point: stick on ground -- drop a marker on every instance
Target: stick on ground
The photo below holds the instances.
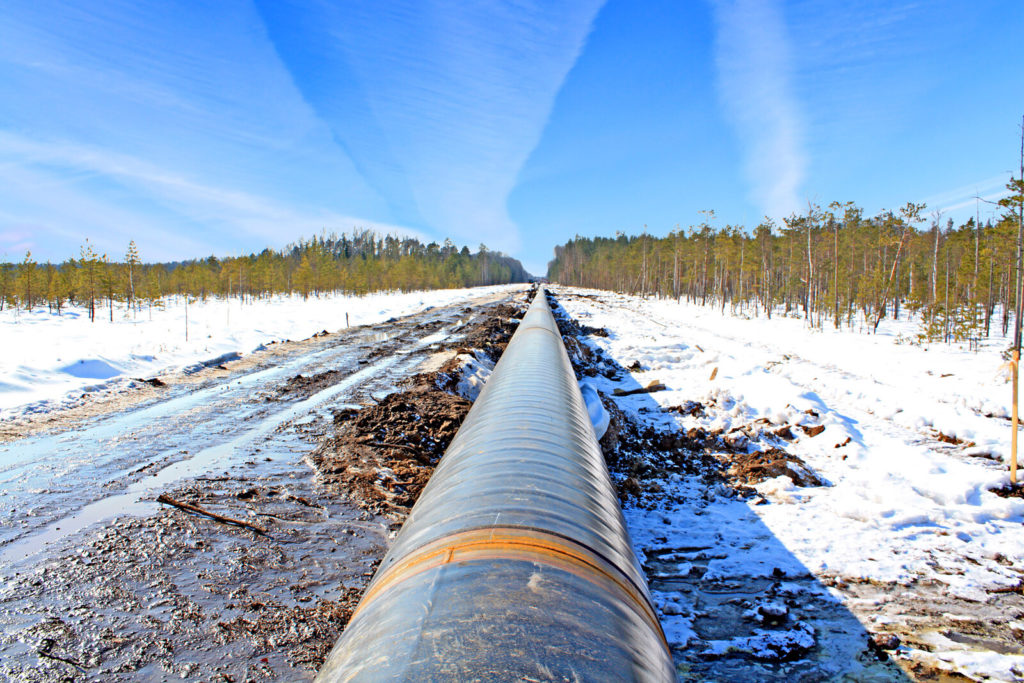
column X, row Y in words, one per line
column 653, row 386
column 167, row 500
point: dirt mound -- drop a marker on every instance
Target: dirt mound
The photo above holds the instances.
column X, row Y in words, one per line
column 383, row 456
column 492, row 334
column 639, row 456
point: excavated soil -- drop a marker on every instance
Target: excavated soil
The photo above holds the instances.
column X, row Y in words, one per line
column 382, row 455
column 302, row 386
column 492, row 334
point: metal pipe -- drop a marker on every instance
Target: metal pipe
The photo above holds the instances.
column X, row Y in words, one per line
column 515, row 562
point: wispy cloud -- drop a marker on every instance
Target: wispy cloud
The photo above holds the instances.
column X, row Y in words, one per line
column 439, row 103
column 172, row 122
column 244, row 122
column 987, row 190
column 753, row 58
column 169, row 215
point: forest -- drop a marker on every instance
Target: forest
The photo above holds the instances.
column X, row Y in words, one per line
column 356, row 263
column 830, row 265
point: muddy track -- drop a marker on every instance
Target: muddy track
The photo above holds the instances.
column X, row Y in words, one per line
column 91, row 594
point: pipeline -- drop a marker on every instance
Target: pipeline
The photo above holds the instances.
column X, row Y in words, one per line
column 515, row 562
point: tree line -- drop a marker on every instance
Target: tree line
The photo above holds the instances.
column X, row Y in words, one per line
column 352, row 263
column 831, row 265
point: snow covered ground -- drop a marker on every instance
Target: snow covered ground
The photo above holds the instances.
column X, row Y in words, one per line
column 906, row 533
column 49, row 360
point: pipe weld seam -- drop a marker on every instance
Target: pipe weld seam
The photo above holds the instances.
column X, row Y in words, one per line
column 515, row 543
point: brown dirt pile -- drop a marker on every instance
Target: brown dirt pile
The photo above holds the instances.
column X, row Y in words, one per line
column 382, row 456
column 492, row 334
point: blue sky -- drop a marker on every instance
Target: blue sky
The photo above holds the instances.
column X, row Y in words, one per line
column 197, row 128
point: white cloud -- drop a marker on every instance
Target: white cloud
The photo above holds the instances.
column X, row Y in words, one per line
column 752, row 54
column 42, row 178
column 988, row 190
column 443, row 101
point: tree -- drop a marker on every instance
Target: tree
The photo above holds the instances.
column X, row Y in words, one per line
column 131, row 259
column 27, row 276
column 88, row 276
column 108, row 280
column 1016, row 201
column 909, row 214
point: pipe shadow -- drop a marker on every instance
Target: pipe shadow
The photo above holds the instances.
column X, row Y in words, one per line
column 735, row 603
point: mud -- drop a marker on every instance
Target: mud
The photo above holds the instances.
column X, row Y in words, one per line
column 176, row 595
column 301, row 386
column 930, row 619
column 71, row 413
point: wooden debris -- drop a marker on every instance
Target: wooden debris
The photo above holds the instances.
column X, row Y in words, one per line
column 714, row 373
column 694, row 408
column 813, row 430
column 44, row 651
column 303, row 501
column 652, row 387
column 167, row 500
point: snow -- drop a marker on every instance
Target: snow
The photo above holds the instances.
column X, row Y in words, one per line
column 599, row 417
column 902, row 507
column 50, row 360
column 473, row 374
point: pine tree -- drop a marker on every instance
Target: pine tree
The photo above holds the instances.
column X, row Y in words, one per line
column 88, row 278
column 27, row 277
column 131, row 259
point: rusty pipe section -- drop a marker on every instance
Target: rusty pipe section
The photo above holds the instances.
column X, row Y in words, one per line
column 515, row 562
